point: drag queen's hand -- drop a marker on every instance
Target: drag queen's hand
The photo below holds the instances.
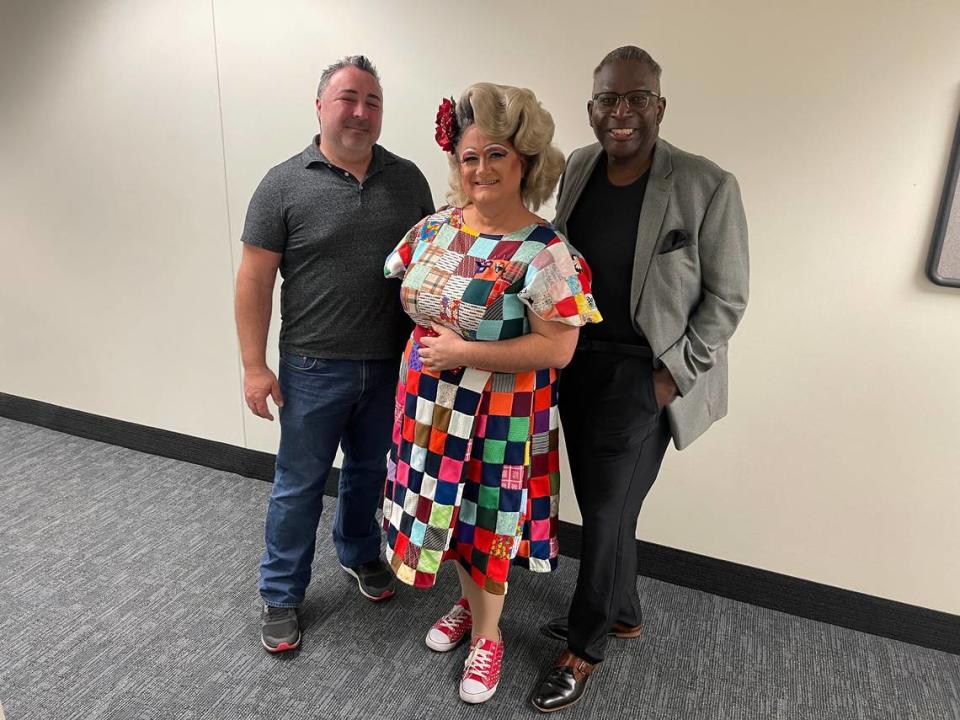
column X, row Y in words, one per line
column 442, row 352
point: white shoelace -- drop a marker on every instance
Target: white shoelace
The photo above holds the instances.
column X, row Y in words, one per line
column 478, row 661
column 454, row 618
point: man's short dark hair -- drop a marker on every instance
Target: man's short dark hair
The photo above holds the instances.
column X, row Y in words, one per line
column 629, row 52
column 362, row 62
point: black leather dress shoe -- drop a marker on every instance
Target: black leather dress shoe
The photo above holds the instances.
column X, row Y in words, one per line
column 563, row 685
column 559, row 628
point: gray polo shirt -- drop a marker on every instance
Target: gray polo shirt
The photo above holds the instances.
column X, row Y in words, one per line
column 335, row 234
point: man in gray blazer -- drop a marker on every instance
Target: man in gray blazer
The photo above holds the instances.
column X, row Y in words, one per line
column 665, row 236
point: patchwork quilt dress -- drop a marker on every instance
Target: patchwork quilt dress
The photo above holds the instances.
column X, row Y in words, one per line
column 474, row 469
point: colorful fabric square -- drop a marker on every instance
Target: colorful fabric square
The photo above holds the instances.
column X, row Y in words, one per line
column 474, row 470
column 557, row 286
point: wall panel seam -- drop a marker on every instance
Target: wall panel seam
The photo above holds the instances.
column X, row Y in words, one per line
column 226, row 207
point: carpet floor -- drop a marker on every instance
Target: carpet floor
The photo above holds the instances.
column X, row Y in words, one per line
column 128, row 592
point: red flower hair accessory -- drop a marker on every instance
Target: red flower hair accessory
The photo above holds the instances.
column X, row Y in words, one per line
column 447, row 130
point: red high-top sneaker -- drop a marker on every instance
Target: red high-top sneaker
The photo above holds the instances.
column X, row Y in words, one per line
column 481, row 671
column 450, row 630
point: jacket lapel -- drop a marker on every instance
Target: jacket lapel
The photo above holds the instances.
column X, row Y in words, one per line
column 651, row 218
column 574, row 183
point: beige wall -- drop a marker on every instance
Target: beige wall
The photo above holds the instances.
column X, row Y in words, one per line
column 115, row 284
column 137, row 132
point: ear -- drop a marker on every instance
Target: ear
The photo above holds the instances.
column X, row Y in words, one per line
column 590, row 112
column 524, row 167
column 661, row 109
column 318, row 110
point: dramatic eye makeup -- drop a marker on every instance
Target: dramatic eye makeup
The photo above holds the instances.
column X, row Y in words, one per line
column 493, row 152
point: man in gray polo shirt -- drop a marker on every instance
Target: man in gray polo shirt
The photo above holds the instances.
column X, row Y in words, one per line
column 327, row 218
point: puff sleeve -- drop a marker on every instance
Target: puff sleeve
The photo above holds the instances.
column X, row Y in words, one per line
column 410, row 247
column 557, row 286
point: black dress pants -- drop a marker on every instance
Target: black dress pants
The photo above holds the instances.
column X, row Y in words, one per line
column 616, row 437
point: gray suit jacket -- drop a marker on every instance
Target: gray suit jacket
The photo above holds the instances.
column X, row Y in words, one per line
column 690, row 274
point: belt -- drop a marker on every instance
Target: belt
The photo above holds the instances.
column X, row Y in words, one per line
column 603, row 346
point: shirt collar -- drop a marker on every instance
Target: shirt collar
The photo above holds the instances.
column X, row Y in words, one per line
column 381, row 157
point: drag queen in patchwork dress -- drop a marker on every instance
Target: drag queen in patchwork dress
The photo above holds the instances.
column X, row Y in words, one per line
column 474, row 471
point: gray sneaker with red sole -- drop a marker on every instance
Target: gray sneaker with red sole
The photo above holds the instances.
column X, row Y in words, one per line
column 375, row 579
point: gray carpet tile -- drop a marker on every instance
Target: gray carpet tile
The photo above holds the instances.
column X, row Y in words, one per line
column 128, row 591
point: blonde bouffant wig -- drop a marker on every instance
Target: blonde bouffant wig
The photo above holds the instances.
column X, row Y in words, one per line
column 512, row 114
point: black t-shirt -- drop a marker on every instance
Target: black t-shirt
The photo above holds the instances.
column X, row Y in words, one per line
column 603, row 227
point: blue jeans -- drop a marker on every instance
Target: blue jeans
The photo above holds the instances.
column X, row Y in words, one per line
column 326, row 403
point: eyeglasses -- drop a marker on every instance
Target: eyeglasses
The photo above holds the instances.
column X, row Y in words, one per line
column 637, row 100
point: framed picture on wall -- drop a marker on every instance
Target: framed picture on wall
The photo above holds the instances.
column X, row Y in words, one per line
column 943, row 266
